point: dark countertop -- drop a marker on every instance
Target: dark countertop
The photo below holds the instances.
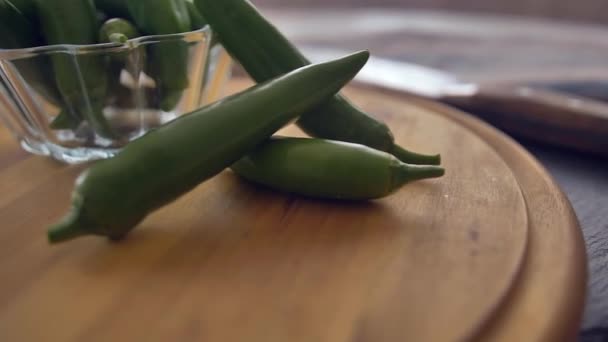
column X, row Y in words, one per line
column 585, row 182
column 447, row 41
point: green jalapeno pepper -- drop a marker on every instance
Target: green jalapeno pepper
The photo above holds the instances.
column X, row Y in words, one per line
column 328, row 169
column 114, row 30
column 119, row 30
column 81, row 79
column 115, row 194
column 265, row 53
column 167, row 59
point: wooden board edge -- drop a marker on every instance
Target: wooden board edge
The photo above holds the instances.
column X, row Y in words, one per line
column 566, row 319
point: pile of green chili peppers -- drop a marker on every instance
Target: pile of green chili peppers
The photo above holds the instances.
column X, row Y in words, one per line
column 33, row 23
column 350, row 156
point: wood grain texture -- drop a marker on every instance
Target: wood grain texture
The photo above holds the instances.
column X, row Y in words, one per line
column 231, row 261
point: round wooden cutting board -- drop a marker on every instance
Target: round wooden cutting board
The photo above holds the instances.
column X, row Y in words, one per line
column 491, row 251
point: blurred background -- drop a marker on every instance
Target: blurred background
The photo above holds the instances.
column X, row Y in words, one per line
column 580, row 10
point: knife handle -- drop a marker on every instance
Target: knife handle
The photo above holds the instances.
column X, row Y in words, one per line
column 542, row 115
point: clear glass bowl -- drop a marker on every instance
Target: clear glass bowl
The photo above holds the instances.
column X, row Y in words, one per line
column 78, row 103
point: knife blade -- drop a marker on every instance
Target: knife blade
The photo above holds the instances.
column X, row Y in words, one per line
column 541, row 114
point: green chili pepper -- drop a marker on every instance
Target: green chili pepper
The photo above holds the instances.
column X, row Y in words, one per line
column 18, row 29
column 114, row 30
column 168, row 60
column 265, row 53
column 81, row 79
column 329, row 169
column 198, row 21
column 117, row 30
column 115, row 194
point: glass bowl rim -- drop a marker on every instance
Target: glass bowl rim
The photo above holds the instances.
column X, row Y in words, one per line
column 10, row 54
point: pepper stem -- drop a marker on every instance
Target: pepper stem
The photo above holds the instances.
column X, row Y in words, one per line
column 69, row 228
column 119, row 38
column 414, row 158
column 404, row 173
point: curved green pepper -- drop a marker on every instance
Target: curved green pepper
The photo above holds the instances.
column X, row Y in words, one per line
column 265, row 53
column 115, row 194
column 167, row 60
column 329, row 169
column 81, row 79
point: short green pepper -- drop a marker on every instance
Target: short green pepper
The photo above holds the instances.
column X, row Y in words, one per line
column 81, row 79
column 329, row 169
column 132, row 61
column 114, row 30
column 168, row 59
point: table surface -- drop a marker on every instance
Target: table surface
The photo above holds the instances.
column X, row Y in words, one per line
column 584, row 179
column 416, row 36
column 283, row 257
